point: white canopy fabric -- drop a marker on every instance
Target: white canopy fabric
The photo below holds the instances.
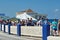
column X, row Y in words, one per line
column 25, row 16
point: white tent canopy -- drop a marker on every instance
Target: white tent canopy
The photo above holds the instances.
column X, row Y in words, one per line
column 25, row 16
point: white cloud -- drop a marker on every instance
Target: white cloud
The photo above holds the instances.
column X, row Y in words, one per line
column 56, row 10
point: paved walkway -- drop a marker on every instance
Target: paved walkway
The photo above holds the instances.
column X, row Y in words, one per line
column 5, row 36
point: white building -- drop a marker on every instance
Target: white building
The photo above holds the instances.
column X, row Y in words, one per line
column 29, row 14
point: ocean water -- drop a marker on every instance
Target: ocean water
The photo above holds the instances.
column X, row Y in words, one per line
column 50, row 20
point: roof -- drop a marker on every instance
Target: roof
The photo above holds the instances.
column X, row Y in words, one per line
column 42, row 14
column 28, row 11
column 25, row 16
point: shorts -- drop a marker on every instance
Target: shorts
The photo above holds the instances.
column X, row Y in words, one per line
column 54, row 28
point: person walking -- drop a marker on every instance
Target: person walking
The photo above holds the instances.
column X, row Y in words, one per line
column 54, row 27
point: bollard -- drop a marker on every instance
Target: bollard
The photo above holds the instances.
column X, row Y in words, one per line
column 46, row 31
column 4, row 28
column 1, row 27
column 9, row 28
column 18, row 29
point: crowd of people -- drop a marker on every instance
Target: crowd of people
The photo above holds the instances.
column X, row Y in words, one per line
column 29, row 22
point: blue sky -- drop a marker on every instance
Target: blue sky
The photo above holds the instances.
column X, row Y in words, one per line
column 49, row 7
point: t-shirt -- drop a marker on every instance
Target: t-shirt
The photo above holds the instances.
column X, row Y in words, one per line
column 54, row 25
